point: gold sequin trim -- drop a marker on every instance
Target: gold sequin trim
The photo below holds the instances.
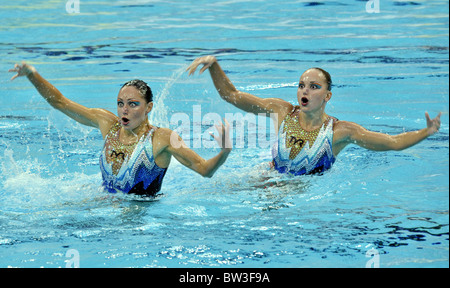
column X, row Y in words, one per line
column 115, row 151
column 297, row 137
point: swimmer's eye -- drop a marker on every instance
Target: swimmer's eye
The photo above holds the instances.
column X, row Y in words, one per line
column 131, row 104
column 312, row 86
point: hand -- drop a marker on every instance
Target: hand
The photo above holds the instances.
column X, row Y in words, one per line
column 22, row 70
column 224, row 136
column 433, row 125
column 207, row 61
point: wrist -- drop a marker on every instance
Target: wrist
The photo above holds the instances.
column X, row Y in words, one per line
column 226, row 150
column 430, row 131
column 30, row 71
column 213, row 59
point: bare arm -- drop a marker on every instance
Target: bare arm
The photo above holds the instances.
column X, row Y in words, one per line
column 229, row 93
column 98, row 118
column 348, row 132
column 176, row 147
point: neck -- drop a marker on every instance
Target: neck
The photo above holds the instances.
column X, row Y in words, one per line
column 312, row 120
column 136, row 133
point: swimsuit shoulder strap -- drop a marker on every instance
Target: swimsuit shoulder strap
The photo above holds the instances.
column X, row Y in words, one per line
column 334, row 119
column 294, row 110
column 151, row 132
column 148, row 139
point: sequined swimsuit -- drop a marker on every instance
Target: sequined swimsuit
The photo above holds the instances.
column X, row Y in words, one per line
column 130, row 168
column 299, row 152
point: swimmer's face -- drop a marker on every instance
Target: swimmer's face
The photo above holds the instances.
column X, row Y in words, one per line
column 132, row 108
column 313, row 90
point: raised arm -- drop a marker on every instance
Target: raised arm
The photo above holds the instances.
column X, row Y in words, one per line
column 244, row 101
column 98, row 118
column 175, row 146
column 352, row 133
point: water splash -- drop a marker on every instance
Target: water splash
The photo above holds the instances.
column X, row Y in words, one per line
column 9, row 165
column 159, row 115
column 268, row 86
column 24, row 189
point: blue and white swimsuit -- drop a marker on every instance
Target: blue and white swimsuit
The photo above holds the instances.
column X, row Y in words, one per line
column 130, row 169
column 299, row 152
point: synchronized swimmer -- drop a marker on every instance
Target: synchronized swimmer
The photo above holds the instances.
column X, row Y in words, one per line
column 308, row 139
column 136, row 154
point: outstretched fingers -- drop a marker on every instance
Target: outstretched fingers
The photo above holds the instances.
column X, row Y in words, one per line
column 433, row 124
column 21, row 70
column 224, row 135
column 192, row 68
column 206, row 61
column 16, row 69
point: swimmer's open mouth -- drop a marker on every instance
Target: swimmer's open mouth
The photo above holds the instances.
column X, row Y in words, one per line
column 304, row 101
column 125, row 121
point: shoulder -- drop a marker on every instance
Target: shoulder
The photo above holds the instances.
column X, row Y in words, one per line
column 106, row 119
column 160, row 138
column 345, row 125
column 162, row 133
column 345, row 130
column 281, row 106
column 166, row 138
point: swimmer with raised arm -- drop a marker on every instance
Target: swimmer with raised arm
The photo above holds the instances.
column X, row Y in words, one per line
column 136, row 154
column 308, row 139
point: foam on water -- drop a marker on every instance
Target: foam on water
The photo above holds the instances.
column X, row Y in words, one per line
column 24, row 189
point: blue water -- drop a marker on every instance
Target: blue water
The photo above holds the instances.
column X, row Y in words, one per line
column 388, row 67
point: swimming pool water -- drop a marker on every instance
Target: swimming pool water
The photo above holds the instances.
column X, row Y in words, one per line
column 388, row 67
